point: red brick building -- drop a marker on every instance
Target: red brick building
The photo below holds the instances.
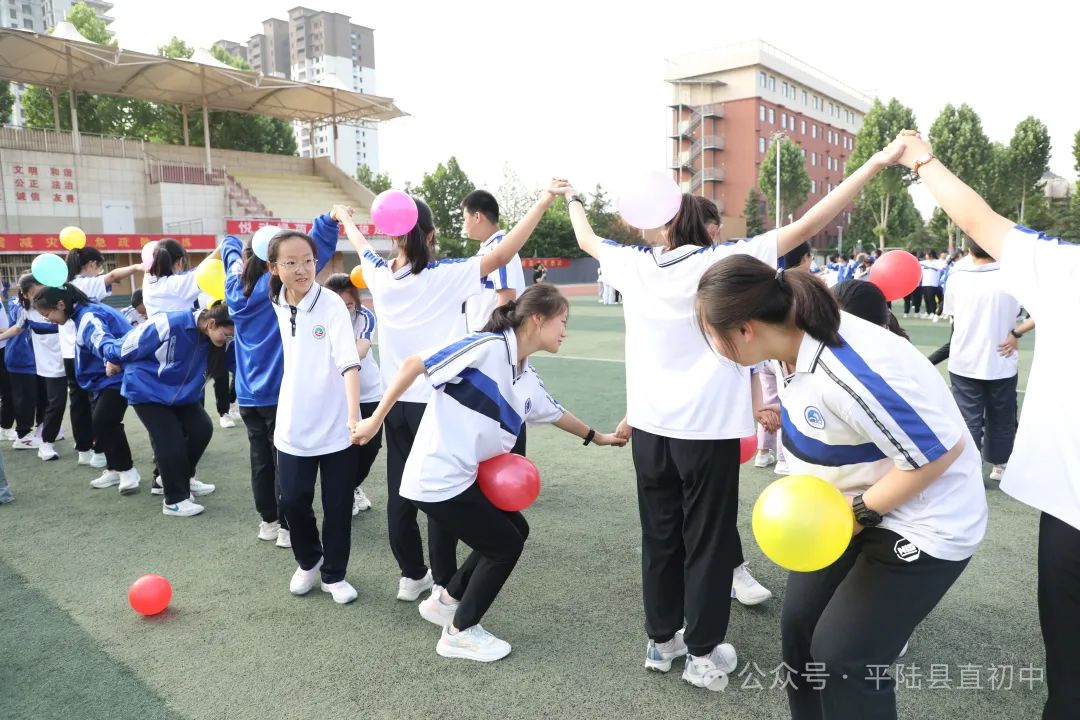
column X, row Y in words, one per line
column 728, row 105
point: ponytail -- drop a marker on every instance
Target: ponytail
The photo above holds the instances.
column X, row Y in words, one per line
column 215, row 356
column 254, row 269
column 166, row 255
column 49, row 298
column 79, row 258
column 865, row 300
column 741, row 288
column 26, row 282
column 544, row 300
column 688, row 225
column 415, row 242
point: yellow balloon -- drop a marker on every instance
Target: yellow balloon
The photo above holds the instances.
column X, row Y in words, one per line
column 210, row 276
column 72, row 238
column 802, row 523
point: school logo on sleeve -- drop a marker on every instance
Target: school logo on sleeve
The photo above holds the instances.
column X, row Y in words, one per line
column 318, row 332
column 906, row 550
column 814, row 418
column 528, row 405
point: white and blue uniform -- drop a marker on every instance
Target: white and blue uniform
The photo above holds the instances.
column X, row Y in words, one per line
column 478, row 308
column 371, row 383
column 95, row 324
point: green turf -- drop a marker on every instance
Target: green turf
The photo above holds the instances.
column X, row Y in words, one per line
column 236, row 644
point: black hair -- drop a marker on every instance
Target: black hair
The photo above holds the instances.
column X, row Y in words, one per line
column 254, row 269
column 136, row 298
column 216, row 357
column 167, row 253
column 710, row 213
column 741, row 288
column 272, row 253
column 415, row 242
column 341, row 282
column 483, row 202
column 975, row 249
column 865, row 300
column 78, row 259
column 26, row 282
column 794, row 257
column 49, row 298
column 544, row 300
column 688, row 225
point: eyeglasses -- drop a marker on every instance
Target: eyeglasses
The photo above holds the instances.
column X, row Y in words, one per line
column 294, row 265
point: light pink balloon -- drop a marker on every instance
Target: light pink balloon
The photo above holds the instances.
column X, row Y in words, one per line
column 148, row 254
column 394, row 213
column 649, row 200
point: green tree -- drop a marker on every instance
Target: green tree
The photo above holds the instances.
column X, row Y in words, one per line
column 959, row 142
column 7, row 102
column 794, row 180
column 903, row 219
column 513, row 196
column 443, row 190
column 880, row 126
column 606, row 222
column 999, row 185
column 1029, row 155
column 752, row 211
column 376, row 183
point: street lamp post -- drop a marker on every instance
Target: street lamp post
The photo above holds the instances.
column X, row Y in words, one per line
column 777, row 138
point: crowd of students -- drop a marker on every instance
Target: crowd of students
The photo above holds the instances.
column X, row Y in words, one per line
column 721, row 337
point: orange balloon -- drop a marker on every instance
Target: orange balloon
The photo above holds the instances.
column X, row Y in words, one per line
column 357, row 277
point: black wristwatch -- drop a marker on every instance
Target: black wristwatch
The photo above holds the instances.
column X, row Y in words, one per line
column 1015, row 334
column 864, row 515
column 575, row 198
column 589, row 437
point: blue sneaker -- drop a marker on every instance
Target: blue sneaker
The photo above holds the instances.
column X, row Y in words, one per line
column 658, row 656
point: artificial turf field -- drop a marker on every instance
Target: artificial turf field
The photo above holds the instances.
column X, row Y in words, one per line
column 235, row 644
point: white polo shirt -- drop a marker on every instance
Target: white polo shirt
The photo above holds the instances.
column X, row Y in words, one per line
column 318, row 345
column 676, row 386
column 482, row 396
column 931, row 272
column 1044, row 470
column 95, row 288
column 170, row 293
column 371, row 384
column 983, row 314
column 48, row 361
column 478, row 308
column 417, row 311
column 853, row 412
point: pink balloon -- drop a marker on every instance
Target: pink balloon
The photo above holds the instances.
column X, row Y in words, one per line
column 393, row 212
column 148, row 254
column 650, row 200
column 747, row 448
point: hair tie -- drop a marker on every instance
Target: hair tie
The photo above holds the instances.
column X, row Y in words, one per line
column 780, row 275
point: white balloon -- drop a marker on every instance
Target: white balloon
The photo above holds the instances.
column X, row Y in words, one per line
column 649, row 200
column 260, row 241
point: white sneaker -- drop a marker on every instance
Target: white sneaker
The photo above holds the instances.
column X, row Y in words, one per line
column 658, row 656
column 86, row 457
column 905, row 316
column 234, row 412
column 935, row 318
column 473, row 643
column 781, row 468
column 746, row 589
column 765, row 460
column 997, row 472
column 360, row 502
column 342, row 592
column 409, row 590
column 435, row 611
column 47, row 452
column 303, row 580
column 9, row 434
column 30, row 442
column 129, row 482
column 711, row 671
column 184, row 508
column 227, row 421
column 198, row 489
column 156, row 488
column 284, row 538
column 269, row 530
column 97, row 460
column 107, row 480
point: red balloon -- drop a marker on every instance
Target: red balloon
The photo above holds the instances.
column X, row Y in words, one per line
column 897, row 273
column 150, row 594
column 511, row 482
column 747, row 448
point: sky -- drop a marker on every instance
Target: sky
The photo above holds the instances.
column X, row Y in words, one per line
column 577, row 90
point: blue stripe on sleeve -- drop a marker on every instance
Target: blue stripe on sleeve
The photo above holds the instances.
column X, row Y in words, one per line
column 898, row 409
column 480, row 393
column 374, row 259
column 454, row 348
column 502, row 278
column 814, row 451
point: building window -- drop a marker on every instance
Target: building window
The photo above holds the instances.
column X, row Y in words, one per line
column 772, row 83
column 813, row 131
column 804, row 100
column 784, row 89
column 761, row 113
column 761, row 145
column 813, row 159
column 802, row 126
column 813, row 186
column 783, row 120
column 763, row 80
column 772, row 116
column 803, row 152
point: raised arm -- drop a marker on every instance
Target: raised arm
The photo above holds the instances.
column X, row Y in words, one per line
column 966, row 207
column 505, row 251
column 825, row 210
column 325, row 232
column 122, row 273
column 587, row 240
column 356, row 238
